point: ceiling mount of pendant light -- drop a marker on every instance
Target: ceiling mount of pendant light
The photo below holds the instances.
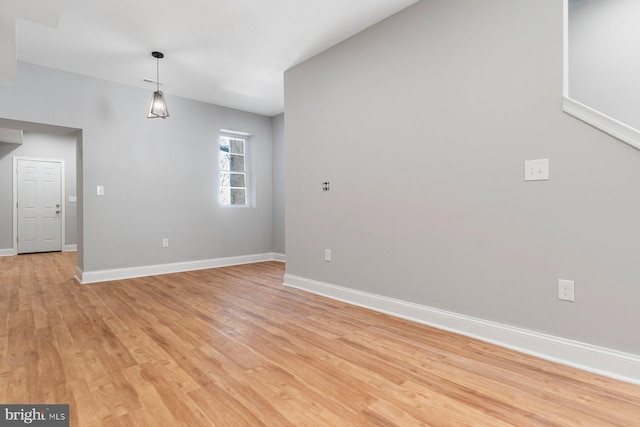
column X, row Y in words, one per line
column 158, row 107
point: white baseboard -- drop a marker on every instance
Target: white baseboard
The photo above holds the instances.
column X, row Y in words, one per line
column 86, row 277
column 7, row 252
column 599, row 360
column 279, row 257
column 78, row 275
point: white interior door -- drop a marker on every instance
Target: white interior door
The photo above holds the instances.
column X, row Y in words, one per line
column 39, row 206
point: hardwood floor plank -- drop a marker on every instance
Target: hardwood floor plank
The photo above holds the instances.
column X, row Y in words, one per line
column 237, row 383
column 153, row 409
column 487, row 380
column 87, row 409
column 434, row 410
column 299, row 403
column 222, row 409
column 233, row 347
column 13, row 383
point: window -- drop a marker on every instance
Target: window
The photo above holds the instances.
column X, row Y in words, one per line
column 233, row 173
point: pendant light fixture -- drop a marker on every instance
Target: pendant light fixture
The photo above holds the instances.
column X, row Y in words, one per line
column 158, row 107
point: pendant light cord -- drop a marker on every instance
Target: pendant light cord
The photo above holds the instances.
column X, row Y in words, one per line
column 157, row 74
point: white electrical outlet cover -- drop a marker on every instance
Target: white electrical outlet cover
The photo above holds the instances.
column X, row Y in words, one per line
column 566, row 290
column 536, row 170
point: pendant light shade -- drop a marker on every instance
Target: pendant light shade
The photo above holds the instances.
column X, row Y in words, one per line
column 158, row 107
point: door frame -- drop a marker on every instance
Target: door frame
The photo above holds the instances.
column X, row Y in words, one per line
column 15, row 198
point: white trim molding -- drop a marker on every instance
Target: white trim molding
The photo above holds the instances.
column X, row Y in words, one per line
column 78, row 275
column 235, row 132
column 601, row 121
column 279, row 257
column 595, row 118
column 67, row 248
column 599, row 360
column 7, row 252
column 86, row 277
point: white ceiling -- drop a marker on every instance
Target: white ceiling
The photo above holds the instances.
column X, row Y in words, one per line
column 226, row 52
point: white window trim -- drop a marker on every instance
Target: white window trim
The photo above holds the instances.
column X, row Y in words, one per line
column 226, row 133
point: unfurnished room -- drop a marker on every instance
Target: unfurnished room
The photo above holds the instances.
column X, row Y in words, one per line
column 319, row 213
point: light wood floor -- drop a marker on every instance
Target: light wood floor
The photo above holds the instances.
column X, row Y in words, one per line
column 232, row 346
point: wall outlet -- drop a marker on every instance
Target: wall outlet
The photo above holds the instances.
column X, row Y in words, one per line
column 165, row 243
column 327, row 255
column 536, row 170
column 566, row 290
column 100, row 190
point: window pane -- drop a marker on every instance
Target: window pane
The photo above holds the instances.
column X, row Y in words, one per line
column 238, row 196
column 237, row 180
column 225, row 196
column 225, row 161
column 237, row 146
column 236, row 163
column 224, row 144
column 224, row 180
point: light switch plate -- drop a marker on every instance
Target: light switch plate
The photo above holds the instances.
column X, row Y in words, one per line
column 536, row 170
column 100, row 190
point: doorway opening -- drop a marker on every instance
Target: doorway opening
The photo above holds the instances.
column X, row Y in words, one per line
column 40, row 186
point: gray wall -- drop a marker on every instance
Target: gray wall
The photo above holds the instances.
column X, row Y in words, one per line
column 278, row 184
column 41, row 145
column 422, row 124
column 160, row 176
column 603, row 65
